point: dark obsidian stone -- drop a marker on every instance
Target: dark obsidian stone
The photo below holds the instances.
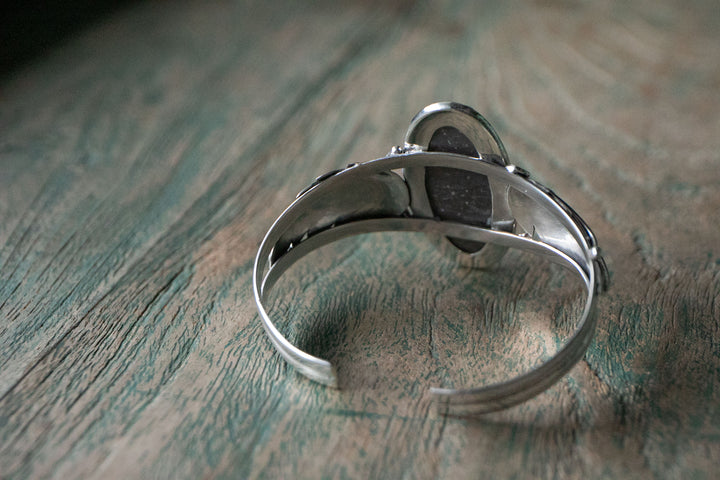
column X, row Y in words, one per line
column 458, row 195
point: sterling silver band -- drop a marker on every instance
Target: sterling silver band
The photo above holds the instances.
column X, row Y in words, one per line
column 374, row 197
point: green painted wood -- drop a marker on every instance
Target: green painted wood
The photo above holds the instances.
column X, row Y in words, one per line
column 142, row 161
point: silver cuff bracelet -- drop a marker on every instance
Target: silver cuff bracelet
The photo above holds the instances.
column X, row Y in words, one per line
column 451, row 177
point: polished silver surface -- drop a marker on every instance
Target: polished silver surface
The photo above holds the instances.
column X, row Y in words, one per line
column 372, row 197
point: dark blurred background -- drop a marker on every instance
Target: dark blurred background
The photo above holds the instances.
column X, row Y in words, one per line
column 29, row 28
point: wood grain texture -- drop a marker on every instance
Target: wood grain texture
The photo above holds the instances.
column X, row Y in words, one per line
column 142, row 161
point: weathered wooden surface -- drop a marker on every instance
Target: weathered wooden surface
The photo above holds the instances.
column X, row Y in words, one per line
column 142, row 161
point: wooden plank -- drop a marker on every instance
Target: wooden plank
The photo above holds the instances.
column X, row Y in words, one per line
column 141, row 163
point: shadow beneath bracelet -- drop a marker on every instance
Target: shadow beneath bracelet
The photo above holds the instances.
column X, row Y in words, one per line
column 395, row 318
